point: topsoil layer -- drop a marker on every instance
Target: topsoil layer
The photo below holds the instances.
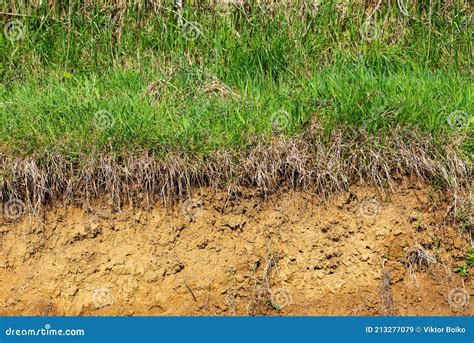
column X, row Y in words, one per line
column 220, row 254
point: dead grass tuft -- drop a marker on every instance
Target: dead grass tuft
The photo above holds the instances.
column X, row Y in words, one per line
column 418, row 258
column 304, row 162
column 218, row 88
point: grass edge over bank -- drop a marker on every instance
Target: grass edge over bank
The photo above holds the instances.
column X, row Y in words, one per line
column 303, row 162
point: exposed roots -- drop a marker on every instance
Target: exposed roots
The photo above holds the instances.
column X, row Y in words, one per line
column 304, row 162
column 388, row 307
column 418, row 258
column 261, row 301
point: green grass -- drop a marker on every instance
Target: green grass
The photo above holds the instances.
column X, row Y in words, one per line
column 313, row 66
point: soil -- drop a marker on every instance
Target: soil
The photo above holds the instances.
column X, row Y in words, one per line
column 238, row 254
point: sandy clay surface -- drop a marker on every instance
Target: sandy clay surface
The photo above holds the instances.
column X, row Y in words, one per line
column 238, row 254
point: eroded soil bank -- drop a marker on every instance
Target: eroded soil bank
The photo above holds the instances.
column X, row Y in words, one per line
column 216, row 254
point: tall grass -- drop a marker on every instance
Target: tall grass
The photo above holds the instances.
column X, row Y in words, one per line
column 251, row 38
column 153, row 66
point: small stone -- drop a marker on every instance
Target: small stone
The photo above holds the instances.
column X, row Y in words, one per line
column 397, row 232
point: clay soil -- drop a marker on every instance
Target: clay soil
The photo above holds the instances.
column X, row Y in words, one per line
column 236, row 254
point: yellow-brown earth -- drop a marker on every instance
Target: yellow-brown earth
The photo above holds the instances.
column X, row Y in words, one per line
column 237, row 254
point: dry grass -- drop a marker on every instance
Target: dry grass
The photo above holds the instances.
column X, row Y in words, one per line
column 303, row 162
column 260, row 303
column 269, row 5
column 218, row 88
column 418, row 258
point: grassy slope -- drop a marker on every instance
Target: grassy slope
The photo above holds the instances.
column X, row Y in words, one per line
column 159, row 91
